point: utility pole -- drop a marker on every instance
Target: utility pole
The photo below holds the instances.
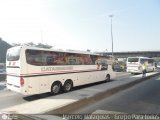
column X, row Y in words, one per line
column 111, row 15
column 41, row 36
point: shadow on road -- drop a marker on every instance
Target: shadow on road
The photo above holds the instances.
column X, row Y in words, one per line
column 45, row 95
column 36, row 97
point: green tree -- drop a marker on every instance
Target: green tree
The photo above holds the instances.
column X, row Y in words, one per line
column 40, row 45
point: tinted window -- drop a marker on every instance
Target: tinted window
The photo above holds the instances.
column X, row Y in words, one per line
column 38, row 57
column 150, row 61
column 142, row 61
column 133, row 59
column 35, row 57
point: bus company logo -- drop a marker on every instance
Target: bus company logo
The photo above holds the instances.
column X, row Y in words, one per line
column 9, row 116
column 4, row 116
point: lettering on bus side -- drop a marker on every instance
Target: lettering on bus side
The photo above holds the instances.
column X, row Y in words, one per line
column 44, row 69
column 48, row 69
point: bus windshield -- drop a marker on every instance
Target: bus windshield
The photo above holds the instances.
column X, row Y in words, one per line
column 13, row 54
column 133, row 59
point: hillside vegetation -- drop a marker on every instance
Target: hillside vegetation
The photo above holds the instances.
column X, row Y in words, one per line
column 4, row 46
column 3, row 49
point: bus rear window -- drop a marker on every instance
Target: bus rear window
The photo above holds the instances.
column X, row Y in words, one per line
column 13, row 54
column 133, row 59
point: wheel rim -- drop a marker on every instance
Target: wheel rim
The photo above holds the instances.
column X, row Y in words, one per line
column 55, row 89
column 68, row 86
column 107, row 78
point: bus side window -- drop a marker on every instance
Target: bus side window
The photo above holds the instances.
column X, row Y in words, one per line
column 35, row 57
column 50, row 60
column 72, row 61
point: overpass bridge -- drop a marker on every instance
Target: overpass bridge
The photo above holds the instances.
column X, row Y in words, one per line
column 155, row 54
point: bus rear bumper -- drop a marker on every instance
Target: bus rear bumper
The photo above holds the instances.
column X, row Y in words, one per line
column 134, row 71
column 13, row 87
column 19, row 89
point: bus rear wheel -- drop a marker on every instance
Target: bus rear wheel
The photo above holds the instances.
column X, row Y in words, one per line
column 67, row 86
column 55, row 88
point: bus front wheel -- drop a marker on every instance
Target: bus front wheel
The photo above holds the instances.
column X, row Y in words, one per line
column 107, row 78
column 55, row 88
column 67, row 86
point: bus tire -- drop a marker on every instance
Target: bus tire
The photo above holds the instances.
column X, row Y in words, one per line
column 55, row 88
column 107, row 78
column 67, row 85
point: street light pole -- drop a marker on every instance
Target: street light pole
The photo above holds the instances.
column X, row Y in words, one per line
column 111, row 32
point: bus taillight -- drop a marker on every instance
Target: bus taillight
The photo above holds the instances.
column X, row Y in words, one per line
column 22, row 81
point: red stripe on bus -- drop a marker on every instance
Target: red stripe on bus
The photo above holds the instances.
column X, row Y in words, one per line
column 63, row 71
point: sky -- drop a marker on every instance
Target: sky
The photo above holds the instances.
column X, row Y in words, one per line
column 82, row 24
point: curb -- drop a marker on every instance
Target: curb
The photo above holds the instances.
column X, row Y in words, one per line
column 70, row 108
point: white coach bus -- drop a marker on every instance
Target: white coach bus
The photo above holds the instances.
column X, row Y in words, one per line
column 32, row 70
column 134, row 64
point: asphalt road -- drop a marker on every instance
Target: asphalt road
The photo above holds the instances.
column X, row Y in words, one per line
column 143, row 98
column 10, row 98
column 2, row 77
